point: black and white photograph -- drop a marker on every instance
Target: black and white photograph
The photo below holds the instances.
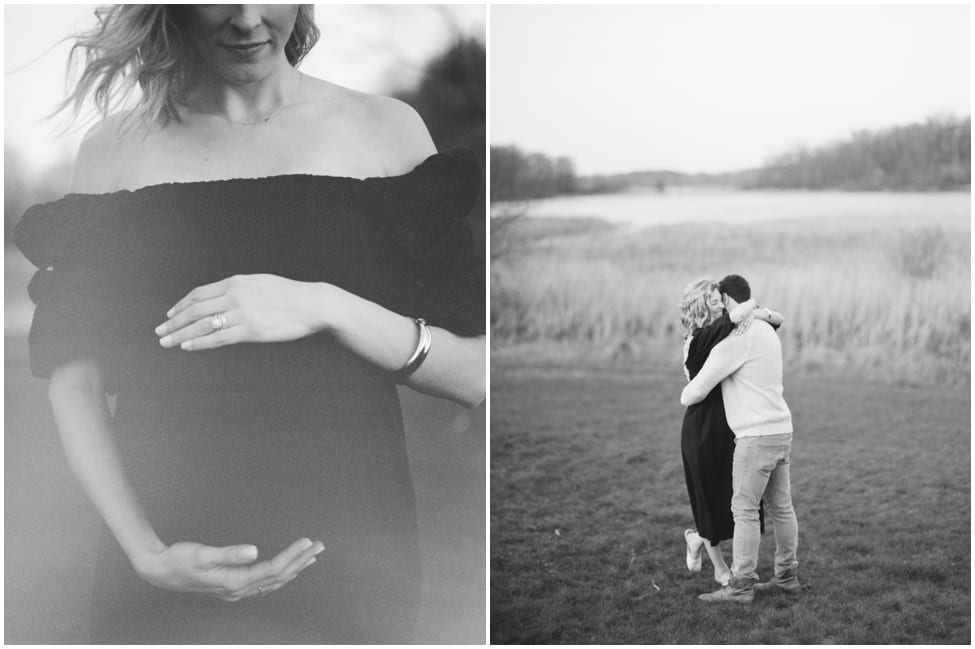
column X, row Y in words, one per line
column 730, row 294
column 245, row 324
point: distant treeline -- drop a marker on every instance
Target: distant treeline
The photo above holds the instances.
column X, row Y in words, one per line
column 516, row 175
column 451, row 98
column 934, row 155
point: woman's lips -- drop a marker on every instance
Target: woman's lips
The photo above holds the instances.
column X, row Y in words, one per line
column 246, row 49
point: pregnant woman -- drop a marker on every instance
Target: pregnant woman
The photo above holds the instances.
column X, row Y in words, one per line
column 707, row 443
column 252, row 259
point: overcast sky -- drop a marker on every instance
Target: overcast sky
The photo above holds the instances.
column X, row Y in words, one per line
column 717, row 88
column 366, row 47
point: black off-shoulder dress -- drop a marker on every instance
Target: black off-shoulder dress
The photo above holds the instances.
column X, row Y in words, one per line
column 258, row 443
column 708, row 444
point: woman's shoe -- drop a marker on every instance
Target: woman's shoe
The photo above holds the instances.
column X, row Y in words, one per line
column 722, row 579
column 694, row 545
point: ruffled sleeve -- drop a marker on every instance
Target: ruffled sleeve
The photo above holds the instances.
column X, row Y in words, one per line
column 77, row 310
column 425, row 212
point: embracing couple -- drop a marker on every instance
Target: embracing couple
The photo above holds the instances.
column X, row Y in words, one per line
column 736, row 438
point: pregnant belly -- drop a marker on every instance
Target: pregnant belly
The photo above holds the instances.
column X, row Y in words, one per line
column 268, row 462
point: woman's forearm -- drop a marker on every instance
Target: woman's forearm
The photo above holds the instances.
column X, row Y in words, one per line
column 453, row 369
column 84, row 425
column 769, row 316
column 742, row 311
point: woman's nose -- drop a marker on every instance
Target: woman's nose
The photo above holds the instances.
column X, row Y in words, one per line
column 245, row 17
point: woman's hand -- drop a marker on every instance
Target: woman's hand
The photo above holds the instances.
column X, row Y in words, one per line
column 269, row 308
column 243, row 308
column 774, row 318
column 743, row 326
column 227, row 573
column 741, row 311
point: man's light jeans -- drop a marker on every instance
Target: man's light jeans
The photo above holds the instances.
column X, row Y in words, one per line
column 761, row 468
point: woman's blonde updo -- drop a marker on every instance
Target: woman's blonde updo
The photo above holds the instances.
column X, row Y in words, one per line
column 147, row 45
column 694, row 311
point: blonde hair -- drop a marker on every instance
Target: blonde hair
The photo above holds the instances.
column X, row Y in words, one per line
column 694, row 311
column 147, row 45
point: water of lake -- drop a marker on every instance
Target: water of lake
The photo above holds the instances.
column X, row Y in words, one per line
column 951, row 210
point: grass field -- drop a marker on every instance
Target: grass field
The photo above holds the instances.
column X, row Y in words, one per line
column 886, row 300
column 588, row 506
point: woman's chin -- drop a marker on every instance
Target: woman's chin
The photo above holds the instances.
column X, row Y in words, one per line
column 243, row 71
column 244, row 75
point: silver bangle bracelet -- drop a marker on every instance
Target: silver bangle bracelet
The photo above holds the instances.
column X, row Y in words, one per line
column 421, row 351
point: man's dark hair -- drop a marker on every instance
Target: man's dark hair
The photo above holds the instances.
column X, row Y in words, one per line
column 735, row 287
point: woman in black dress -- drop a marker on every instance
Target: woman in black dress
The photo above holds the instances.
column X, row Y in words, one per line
column 252, row 260
column 707, row 443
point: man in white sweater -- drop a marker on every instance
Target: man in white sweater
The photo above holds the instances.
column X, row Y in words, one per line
column 749, row 369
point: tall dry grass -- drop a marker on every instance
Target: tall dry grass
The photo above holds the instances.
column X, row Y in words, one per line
column 891, row 303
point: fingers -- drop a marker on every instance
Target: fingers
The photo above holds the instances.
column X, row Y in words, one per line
column 268, row 576
column 289, row 573
column 193, row 314
column 270, row 586
column 199, row 294
column 220, row 338
column 233, row 555
column 256, row 591
column 303, row 560
column 202, row 334
column 277, row 565
column 744, row 325
column 200, row 329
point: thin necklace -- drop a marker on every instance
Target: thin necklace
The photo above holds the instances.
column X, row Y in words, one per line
column 263, row 120
column 257, row 123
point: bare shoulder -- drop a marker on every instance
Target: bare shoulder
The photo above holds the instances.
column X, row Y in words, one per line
column 391, row 128
column 102, row 153
column 403, row 131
